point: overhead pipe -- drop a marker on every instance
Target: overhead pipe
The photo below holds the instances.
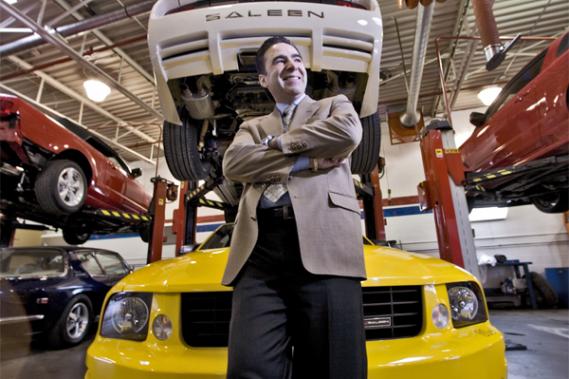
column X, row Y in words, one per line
column 78, row 27
column 120, row 52
column 494, row 50
column 64, row 47
column 424, row 18
column 55, row 62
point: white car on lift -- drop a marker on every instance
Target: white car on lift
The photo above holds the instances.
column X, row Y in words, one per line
column 203, row 54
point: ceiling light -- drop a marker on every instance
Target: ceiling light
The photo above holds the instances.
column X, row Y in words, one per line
column 489, row 94
column 96, row 90
column 10, row 1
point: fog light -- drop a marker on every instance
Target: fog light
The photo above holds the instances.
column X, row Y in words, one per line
column 162, row 327
column 440, row 316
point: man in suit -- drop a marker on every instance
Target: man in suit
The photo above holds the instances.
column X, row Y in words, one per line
column 296, row 257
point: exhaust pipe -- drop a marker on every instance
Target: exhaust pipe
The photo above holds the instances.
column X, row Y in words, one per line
column 494, row 50
column 424, row 17
column 197, row 99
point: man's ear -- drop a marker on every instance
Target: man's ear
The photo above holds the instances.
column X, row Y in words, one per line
column 263, row 80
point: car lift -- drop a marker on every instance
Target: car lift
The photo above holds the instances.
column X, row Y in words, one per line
column 443, row 193
column 163, row 190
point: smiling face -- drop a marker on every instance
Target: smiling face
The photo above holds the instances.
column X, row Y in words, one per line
column 285, row 75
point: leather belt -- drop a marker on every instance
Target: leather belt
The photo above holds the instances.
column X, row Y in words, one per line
column 277, row 213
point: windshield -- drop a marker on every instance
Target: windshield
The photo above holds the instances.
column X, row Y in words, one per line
column 219, row 239
column 31, row 263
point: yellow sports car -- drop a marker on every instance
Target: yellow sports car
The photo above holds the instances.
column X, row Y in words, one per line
column 424, row 318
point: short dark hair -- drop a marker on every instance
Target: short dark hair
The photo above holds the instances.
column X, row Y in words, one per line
column 260, row 58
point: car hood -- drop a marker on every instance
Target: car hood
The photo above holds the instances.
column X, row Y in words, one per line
column 202, row 271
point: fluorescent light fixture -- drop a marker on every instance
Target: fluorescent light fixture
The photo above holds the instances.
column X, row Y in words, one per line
column 96, row 90
column 488, row 214
column 10, row 1
column 489, row 94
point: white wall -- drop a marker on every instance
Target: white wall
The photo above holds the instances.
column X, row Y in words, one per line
column 525, row 234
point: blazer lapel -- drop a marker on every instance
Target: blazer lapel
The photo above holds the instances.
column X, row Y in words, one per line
column 272, row 124
column 304, row 111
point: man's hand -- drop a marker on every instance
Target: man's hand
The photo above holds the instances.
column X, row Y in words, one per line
column 325, row 163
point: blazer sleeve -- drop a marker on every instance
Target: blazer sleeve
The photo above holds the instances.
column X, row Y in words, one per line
column 334, row 137
column 247, row 161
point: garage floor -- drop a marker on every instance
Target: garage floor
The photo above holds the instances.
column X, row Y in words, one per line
column 544, row 332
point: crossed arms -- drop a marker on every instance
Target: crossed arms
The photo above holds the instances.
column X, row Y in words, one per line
column 331, row 140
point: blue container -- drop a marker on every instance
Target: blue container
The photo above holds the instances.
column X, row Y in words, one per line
column 558, row 278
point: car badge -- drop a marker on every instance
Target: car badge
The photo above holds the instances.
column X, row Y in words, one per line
column 377, row 322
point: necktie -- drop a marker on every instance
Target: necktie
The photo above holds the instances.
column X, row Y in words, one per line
column 275, row 191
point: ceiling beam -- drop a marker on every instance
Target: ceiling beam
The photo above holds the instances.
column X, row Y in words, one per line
column 138, row 68
column 64, row 47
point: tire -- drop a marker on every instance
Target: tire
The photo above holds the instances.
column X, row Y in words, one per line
column 556, row 202
column 545, row 294
column 61, row 188
column 74, row 324
column 76, row 236
column 181, row 151
column 366, row 155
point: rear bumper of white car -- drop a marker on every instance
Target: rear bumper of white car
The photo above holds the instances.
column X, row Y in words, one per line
column 208, row 41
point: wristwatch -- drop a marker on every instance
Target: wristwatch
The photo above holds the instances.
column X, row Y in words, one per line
column 265, row 141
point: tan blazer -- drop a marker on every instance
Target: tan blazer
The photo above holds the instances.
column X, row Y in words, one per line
column 326, row 210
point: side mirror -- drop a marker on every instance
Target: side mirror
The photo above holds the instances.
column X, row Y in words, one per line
column 477, row 119
column 136, row 172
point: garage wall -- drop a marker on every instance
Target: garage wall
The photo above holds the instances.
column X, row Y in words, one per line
column 525, row 234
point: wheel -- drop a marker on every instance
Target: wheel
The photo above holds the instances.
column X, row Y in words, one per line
column 365, row 157
column 61, row 188
column 556, row 202
column 76, row 236
column 74, row 323
column 184, row 159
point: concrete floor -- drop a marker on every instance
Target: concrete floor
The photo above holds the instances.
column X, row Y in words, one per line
column 545, row 333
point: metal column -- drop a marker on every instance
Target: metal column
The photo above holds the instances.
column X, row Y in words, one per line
column 184, row 221
column 373, row 208
column 443, row 192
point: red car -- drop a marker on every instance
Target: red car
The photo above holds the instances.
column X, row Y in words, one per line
column 58, row 173
column 519, row 152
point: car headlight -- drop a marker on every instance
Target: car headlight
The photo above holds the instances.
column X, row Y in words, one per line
column 466, row 304
column 126, row 316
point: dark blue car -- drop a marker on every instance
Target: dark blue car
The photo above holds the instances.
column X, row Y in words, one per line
column 55, row 291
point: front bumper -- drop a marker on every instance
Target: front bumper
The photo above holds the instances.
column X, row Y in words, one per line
column 475, row 352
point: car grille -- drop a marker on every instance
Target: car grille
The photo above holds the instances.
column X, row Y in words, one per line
column 389, row 312
column 205, row 318
column 392, row 312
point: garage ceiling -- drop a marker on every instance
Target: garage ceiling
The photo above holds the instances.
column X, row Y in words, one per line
column 117, row 47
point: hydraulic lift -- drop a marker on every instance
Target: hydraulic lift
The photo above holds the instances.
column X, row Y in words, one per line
column 443, row 193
